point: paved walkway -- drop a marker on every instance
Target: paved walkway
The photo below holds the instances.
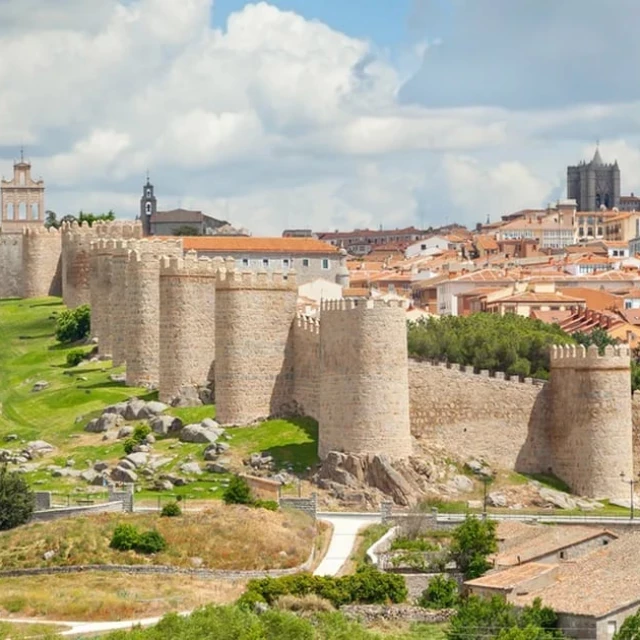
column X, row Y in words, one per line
column 345, row 530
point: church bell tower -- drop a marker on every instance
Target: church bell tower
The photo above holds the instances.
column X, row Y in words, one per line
column 147, row 207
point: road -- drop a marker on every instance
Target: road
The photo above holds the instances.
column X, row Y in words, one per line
column 345, row 530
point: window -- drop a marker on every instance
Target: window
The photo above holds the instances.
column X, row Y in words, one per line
column 265, row 262
column 325, row 263
column 612, row 627
column 245, row 262
column 305, row 262
column 562, row 555
column 423, row 247
column 148, row 193
column 285, row 263
column 148, row 208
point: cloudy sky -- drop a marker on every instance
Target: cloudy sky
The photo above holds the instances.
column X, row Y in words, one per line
column 318, row 113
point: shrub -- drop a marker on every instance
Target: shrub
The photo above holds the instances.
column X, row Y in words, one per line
column 125, row 537
column 151, row 542
column 238, row 492
column 140, row 432
column 129, row 445
column 171, row 510
column 16, row 499
column 471, row 543
column 442, row 593
column 310, row 603
column 75, row 357
column 367, row 585
column 73, row 325
column 269, row 505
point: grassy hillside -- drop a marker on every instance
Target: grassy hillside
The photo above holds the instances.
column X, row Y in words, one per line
column 29, row 353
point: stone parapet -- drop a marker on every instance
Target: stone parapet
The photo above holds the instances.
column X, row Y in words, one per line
column 579, row 357
column 231, row 278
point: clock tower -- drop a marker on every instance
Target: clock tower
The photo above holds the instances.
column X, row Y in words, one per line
column 147, row 207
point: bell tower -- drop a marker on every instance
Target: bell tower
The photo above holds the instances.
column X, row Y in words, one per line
column 147, row 207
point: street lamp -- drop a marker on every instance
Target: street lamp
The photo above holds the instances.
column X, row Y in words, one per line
column 487, row 479
column 632, row 483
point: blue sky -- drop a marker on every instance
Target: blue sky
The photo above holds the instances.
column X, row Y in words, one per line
column 333, row 114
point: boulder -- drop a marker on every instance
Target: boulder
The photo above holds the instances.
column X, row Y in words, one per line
column 10, row 437
column 105, row 422
column 210, row 423
column 151, row 409
column 89, row 475
column 557, row 498
column 120, row 408
column 134, row 408
column 198, row 433
column 39, row 447
column 163, row 485
column 48, row 555
column 149, row 439
column 41, row 385
column 462, row 483
column 211, row 453
column 138, row 459
column 191, row 468
column 175, row 480
column 188, row 397
column 163, row 425
column 126, row 464
column 497, row 499
column 216, row 467
column 157, row 462
column 118, row 377
column 120, row 474
column 125, row 432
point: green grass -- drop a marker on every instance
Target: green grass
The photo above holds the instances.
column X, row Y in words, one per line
column 29, row 353
column 14, row 631
column 291, row 442
column 366, row 538
column 550, row 481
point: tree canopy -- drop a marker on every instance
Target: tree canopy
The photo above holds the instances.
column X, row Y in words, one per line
column 51, row 218
column 471, row 543
column 509, row 343
column 16, row 499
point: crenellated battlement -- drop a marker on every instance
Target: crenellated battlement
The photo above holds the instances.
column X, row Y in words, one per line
column 40, row 231
column 190, row 265
column 578, row 356
column 349, row 304
column 307, row 323
column 495, row 376
column 256, row 280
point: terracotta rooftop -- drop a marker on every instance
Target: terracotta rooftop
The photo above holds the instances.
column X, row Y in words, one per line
column 551, row 317
column 513, row 576
column 542, row 540
column 597, row 583
column 486, row 242
column 240, row 244
column 534, row 296
column 485, row 275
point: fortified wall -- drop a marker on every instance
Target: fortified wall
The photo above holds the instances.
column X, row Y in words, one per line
column 10, row 265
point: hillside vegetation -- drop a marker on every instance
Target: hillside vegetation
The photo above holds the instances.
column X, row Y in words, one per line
column 218, row 537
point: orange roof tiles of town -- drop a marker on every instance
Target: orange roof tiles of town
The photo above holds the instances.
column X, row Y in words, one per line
column 512, row 577
column 255, row 244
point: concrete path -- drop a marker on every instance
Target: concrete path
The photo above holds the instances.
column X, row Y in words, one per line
column 345, row 530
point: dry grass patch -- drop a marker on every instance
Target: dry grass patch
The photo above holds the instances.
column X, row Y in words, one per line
column 230, row 537
column 100, row 596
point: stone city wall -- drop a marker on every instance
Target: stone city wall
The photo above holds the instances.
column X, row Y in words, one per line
column 473, row 415
column 306, row 363
column 41, row 262
column 187, row 324
column 100, row 289
column 10, row 265
column 364, row 390
column 254, row 317
column 591, row 440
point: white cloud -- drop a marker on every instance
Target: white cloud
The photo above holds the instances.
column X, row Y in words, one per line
column 273, row 121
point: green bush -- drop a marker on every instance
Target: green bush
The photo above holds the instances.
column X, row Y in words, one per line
column 171, row 510
column 140, row 432
column 151, row 542
column 367, row 586
column 442, row 593
column 471, row 543
column 238, row 492
column 125, row 537
column 269, row 505
column 75, row 357
column 129, row 445
column 73, row 325
column 16, row 499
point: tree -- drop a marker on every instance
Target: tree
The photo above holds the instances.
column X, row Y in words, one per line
column 88, row 218
column 186, row 230
column 238, row 492
column 630, row 628
column 441, row 593
column 51, row 220
column 598, row 336
column 73, row 325
column 471, row 543
column 17, row 502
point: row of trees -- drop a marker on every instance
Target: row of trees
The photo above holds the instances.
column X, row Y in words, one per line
column 509, row 343
column 51, row 218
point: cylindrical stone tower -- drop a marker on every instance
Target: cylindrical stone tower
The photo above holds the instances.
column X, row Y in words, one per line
column 118, row 300
column 254, row 350
column 591, row 434
column 364, row 385
column 41, row 268
column 76, row 248
column 142, row 327
column 100, row 293
column 187, row 324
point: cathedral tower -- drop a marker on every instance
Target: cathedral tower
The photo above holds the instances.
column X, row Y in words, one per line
column 148, row 206
column 594, row 184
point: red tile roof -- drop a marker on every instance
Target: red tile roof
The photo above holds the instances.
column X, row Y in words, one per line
column 239, row 244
